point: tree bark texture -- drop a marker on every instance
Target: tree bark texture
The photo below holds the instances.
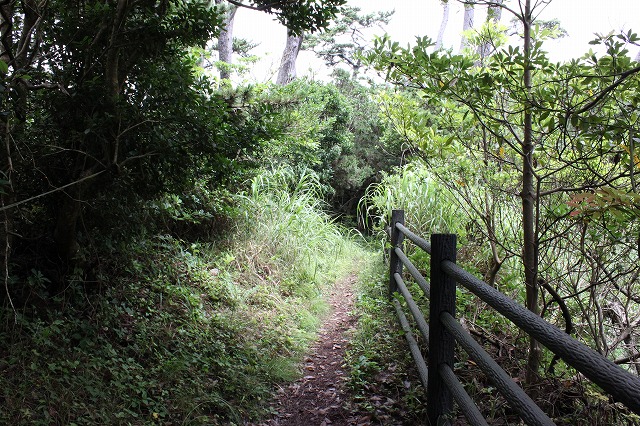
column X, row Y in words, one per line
column 443, row 24
column 287, row 71
column 467, row 23
column 528, row 196
column 225, row 40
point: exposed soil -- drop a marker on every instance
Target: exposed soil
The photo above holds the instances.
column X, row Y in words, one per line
column 320, row 398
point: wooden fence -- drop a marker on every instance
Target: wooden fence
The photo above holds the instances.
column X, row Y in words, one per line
column 443, row 331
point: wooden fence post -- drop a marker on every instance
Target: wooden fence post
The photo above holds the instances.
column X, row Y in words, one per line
column 395, row 265
column 441, row 342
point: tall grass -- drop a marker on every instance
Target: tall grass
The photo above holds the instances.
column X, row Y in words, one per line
column 284, row 215
column 287, row 251
column 429, row 207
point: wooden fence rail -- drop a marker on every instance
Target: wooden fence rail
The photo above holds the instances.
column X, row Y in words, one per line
column 443, row 331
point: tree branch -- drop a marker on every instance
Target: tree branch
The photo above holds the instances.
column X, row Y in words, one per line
column 606, row 91
column 626, row 332
column 627, row 359
column 10, row 206
column 260, row 8
column 489, row 3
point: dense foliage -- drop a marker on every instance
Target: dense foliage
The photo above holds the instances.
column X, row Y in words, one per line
column 167, row 237
column 299, row 16
column 121, row 165
column 540, row 159
column 333, row 130
column 180, row 331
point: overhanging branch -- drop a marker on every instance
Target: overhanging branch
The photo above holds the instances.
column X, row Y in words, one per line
column 60, row 188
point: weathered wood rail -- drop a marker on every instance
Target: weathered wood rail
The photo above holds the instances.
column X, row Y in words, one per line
column 443, row 331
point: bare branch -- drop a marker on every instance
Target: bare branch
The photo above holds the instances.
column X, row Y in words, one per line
column 60, row 188
column 490, row 3
column 627, row 359
column 626, row 332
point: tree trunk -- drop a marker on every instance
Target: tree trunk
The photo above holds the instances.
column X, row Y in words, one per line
column 619, row 317
column 443, row 24
column 112, row 67
column 467, row 23
column 17, row 53
column 7, row 195
column 65, row 232
column 495, row 263
column 528, row 196
column 494, row 14
column 495, row 11
column 287, row 71
column 225, row 41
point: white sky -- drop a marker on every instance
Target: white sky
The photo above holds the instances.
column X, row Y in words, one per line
column 581, row 19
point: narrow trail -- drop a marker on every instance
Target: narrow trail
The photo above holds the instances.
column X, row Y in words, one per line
column 319, row 397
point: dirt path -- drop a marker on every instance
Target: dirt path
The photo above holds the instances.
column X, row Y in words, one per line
column 318, row 398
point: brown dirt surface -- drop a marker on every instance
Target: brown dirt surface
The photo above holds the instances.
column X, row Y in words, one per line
column 320, row 397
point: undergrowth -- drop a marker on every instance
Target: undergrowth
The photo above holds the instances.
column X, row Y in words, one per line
column 385, row 383
column 382, row 376
column 174, row 331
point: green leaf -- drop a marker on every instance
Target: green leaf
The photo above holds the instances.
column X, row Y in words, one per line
column 544, row 115
column 574, row 120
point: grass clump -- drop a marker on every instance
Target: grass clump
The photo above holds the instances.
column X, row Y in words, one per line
column 290, row 253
